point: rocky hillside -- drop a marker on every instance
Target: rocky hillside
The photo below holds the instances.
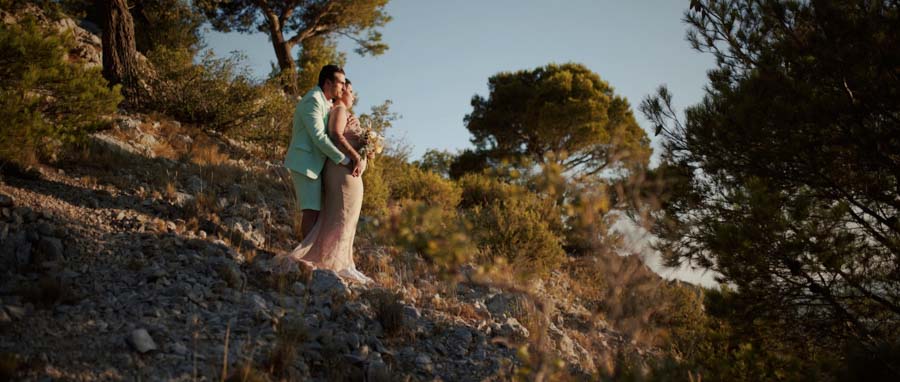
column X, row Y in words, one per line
column 109, row 272
column 146, row 255
column 88, row 49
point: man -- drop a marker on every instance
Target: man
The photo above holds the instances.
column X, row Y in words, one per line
column 310, row 146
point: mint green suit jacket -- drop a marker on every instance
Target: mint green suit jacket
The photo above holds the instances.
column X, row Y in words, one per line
column 310, row 146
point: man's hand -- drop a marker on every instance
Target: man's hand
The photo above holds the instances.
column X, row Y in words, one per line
column 352, row 122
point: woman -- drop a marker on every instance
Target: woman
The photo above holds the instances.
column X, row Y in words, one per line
column 330, row 243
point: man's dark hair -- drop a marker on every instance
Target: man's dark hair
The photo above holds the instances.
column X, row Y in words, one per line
column 327, row 73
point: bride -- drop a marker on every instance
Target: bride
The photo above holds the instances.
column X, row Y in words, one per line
column 329, row 244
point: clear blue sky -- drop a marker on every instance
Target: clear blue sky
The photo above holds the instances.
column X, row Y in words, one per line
column 442, row 53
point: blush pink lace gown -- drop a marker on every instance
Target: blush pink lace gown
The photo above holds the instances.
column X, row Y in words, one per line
column 330, row 243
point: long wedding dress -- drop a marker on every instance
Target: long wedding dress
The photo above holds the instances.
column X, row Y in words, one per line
column 329, row 244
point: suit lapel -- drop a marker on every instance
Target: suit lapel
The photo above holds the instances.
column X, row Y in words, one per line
column 325, row 104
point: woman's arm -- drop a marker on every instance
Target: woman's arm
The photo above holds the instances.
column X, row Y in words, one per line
column 337, row 125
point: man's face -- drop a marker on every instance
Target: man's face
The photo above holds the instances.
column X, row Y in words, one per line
column 337, row 85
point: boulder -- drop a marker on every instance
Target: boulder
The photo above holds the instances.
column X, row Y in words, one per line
column 140, row 340
column 325, row 282
column 506, row 305
column 513, row 330
column 48, row 249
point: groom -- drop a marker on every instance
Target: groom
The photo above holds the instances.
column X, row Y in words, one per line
column 310, row 146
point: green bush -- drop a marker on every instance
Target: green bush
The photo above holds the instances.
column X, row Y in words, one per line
column 409, row 182
column 509, row 229
column 217, row 93
column 53, row 9
column 481, row 190
column 377, row 191
column 46, row 102
column 513, row 223
column 703, row 339
column 270, row 127
column 438, row 234
column 485, row 190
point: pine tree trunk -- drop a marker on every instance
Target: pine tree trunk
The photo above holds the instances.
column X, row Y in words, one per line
column 120, row 61
column 285, row 62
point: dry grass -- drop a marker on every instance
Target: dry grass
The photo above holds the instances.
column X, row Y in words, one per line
column 283, row 281
column 461, row 309
column 247, row 373
column 375, row 261
column 89, row 181
column 207, row 153
column 155, row 225
column 164, row 150
column 171, row 190
column 585, row 277
column 290, row 334
column 205, row 204
column 388, row 309
column 99, row 156
column 120, row 134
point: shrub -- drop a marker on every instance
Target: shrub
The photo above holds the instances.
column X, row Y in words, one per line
column 481, row 190
column 52, row 9
column 413, row 183
column 514, row 223
column 46, row 102
column 383, row 168
column 588, row 219
column 705, row 341
column 438, row 234
column 512, row 230
column 217, row 93
column 484, row 190
column 377, row 191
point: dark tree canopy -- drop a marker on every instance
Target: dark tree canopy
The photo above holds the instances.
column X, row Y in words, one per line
column 562, row 114
column 315, row 53
column 786, row 174
column 437, row 161
column 290, row 23
column 168, row 23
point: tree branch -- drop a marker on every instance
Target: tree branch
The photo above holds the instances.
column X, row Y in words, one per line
column 314, row 28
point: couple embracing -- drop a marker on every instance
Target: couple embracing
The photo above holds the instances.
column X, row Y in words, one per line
column 326, row 159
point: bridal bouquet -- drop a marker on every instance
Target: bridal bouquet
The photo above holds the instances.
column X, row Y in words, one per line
column 373, row 143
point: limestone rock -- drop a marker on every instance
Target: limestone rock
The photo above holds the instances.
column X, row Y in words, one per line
column 505, row 305
column 459, row 341
column 512, row 329
column 140, row 340
column 327, row 283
